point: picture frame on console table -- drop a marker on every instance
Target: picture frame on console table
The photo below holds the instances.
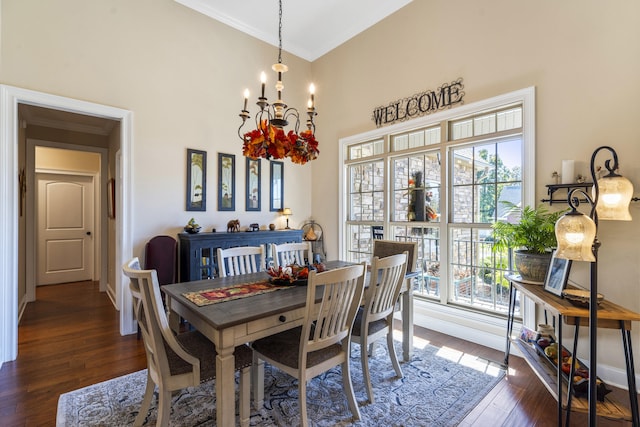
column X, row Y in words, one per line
column 557, row 275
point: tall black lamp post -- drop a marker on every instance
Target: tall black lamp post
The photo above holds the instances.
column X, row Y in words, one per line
column 577, row 241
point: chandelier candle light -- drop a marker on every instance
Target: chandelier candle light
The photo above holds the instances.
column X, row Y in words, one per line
column 269, row 139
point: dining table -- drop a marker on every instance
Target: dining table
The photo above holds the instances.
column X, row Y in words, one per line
column 235, row 321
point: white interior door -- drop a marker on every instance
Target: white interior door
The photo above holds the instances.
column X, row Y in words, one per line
column 65, row 228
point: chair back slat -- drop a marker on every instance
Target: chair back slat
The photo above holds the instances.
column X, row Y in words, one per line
column 292, row 253
column 240, row 260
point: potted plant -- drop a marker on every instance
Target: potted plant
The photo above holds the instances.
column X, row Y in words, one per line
column 532, row 236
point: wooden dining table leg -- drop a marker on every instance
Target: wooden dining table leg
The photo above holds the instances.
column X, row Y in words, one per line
column 257, row 382
column 225, row 387
column 173, row 317
column 407, row 322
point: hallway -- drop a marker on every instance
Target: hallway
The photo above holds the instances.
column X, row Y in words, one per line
column 68, row 339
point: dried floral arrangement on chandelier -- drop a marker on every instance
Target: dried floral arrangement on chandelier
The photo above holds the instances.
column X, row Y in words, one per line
column 269, row 140
column 272, row 142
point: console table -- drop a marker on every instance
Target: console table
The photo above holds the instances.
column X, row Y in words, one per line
column 610, row 316
column 198, row 259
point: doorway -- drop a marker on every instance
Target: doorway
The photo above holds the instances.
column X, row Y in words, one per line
column 75, row 159
column 12, row 139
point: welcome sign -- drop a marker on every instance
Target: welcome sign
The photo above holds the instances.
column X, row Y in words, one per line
column 421, row 104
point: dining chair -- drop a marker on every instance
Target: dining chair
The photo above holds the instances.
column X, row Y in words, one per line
column 292, row 253
column 240, row 260
column 377, row 231
column 322, row 341
column 160, row 254
column 384, row 248
column 177, row 361
column 374, row 319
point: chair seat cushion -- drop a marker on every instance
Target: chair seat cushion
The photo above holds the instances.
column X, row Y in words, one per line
column 374, row 327
column 196, row 344
column 285, row 346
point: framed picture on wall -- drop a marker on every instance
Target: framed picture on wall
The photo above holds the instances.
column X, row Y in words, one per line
column 276, row 186
column 226, row 182
column 196, row 180
column 557, row 275
column 253, row 202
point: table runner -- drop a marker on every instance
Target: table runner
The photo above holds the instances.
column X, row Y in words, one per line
column 228, row 293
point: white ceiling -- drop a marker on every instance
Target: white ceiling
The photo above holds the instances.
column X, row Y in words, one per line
column 310, row 28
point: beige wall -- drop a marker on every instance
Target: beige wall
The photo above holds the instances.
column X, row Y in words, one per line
column 583, row 57
column 182, row 74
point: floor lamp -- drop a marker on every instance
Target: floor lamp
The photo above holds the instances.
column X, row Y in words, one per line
column 577, row 241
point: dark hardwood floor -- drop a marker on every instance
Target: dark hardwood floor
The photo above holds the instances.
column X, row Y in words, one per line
column 69, row 339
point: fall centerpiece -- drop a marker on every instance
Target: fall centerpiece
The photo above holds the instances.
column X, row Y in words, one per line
column 293, row 274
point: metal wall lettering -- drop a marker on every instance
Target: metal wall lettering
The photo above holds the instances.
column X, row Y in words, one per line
column 421, row 104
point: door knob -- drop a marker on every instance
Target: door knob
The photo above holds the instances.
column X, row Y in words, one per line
column 88, row 233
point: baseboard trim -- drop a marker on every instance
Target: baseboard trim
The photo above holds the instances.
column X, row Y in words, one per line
column 112, row 297
column 21, row 307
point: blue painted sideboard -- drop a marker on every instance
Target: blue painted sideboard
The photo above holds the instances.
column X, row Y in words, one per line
column 198, row 258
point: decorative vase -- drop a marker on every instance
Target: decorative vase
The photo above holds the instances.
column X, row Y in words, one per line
column 310, row 235
column 272, row 227
column 531, row 266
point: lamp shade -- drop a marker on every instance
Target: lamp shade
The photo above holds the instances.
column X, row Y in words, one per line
column 575, row 233
column 286, row 211
column 615, row 193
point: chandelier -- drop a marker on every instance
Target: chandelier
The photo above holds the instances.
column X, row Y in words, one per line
column 270, row 140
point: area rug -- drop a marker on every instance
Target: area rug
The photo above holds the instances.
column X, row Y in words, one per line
column 440, row 387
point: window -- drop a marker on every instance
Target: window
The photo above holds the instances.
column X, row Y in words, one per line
column 440, row 182
column 366, row 206
column 483, row 175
